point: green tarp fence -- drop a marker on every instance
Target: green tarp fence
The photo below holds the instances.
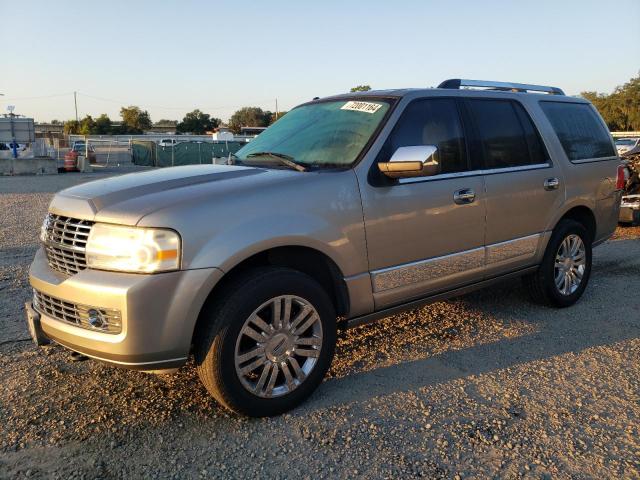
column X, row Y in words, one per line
column 150, row 154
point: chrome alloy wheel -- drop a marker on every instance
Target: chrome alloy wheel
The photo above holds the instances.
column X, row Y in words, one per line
column 278, row 346
column 570, row 264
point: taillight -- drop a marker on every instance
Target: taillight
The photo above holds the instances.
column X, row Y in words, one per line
column 620, row 179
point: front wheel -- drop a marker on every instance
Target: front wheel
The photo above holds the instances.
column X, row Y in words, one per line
column 268, row 342
column 565, row 269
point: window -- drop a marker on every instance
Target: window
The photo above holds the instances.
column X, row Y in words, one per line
column 580, row 131
column 431, row 122
column 507, row 136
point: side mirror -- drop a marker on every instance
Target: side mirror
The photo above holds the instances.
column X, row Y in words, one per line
column 417, row 161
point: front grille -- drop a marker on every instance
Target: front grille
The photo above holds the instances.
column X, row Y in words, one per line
column 92, row 318
column 65, row 241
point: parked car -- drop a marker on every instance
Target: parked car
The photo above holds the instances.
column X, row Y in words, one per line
column 81, row 148
column 20, row 147
column 623, row 145
column 168, row 142
column 352, row 207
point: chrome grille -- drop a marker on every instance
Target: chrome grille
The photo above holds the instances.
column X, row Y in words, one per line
column 65, row 240
column 83, row 316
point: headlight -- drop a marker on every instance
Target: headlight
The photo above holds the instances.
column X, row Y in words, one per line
column 132, row 249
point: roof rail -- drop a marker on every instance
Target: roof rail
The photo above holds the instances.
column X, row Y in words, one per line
column 457, row 83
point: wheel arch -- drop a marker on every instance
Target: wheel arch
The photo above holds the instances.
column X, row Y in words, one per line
column 310, row 261
column 583, row 215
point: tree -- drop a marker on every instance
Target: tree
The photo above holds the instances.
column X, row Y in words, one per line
column 87, row 125
column 135, row 120
column 620, row 109
column 102, row 125
column 274, row 118
column 56, row 122
column 249, row 117
column 361, row 88
column 197, row 123
column 71, row 127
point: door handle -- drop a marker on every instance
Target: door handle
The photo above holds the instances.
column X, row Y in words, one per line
column 464, row 196
column 551, row 184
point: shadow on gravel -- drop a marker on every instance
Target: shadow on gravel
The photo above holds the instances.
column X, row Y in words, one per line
column 604, row 316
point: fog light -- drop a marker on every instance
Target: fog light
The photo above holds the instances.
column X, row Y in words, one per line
column 97, row 320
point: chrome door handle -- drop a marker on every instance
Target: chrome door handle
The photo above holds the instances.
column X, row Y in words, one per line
column 551, row 184
column 464, row 196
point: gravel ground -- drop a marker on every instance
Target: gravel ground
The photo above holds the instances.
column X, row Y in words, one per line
column 487, row 385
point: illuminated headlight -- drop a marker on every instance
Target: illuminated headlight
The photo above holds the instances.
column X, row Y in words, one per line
column 132, row 249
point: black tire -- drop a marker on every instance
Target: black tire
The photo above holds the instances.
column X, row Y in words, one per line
column 541, row 283
column 215, row 342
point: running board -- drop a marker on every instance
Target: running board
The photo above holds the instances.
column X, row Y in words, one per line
column 446, row 295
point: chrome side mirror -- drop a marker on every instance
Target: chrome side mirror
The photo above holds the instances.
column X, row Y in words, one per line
column 416, row 161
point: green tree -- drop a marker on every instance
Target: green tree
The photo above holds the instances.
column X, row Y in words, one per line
column 102, row 125
column 249, row 117
column 87, row 125
column 134, row 120
column 197, row 122
column 361, row 88
column 71, row 127
column 620, row 109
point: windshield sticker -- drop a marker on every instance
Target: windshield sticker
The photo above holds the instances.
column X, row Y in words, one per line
column 361, row 106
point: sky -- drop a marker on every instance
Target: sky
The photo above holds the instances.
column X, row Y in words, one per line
column 172, row 57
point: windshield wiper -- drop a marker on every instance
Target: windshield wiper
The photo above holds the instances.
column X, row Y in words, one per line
column 283, row 158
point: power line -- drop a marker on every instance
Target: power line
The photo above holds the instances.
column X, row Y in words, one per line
column 39, row 97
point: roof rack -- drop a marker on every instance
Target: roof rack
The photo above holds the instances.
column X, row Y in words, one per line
column 457, row 83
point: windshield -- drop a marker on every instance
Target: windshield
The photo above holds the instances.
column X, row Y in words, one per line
column 625, row 141
column 318, row 134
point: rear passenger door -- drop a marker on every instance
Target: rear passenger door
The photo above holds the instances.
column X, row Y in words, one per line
column 523, row 187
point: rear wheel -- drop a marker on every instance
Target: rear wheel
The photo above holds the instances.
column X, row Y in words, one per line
column 268, row 342
column 565, row 269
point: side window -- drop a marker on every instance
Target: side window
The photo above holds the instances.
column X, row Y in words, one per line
column 431, row 122
column 580, row 131
column 505, row 142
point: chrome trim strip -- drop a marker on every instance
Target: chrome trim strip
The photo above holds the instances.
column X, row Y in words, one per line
column 519, row 247
column 441, row 267
column 425, row 270
column 592, row 160
column 473, row 173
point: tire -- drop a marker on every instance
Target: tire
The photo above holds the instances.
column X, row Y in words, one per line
column 542, row 284
column 226, row 345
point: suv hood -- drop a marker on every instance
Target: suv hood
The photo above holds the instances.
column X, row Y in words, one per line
column 127, row 198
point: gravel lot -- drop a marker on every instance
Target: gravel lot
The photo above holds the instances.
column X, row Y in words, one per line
column 487, row 385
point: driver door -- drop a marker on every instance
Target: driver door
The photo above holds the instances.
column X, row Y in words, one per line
column 422, row 238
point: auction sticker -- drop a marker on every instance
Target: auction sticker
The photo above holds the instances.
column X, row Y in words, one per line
column 367, row 107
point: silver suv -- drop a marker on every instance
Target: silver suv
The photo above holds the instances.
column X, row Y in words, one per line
column 348, row 209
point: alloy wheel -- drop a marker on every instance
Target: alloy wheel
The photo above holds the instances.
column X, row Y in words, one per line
column 570, row 264
column 278, row 346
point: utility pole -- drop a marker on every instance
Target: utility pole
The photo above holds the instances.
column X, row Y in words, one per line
column 277, row 109
column 75, row 101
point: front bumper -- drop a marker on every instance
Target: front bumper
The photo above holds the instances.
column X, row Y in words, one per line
column 630, row 209
column 158, row 312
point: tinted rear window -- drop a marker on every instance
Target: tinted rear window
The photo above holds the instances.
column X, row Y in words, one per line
column 580, row 131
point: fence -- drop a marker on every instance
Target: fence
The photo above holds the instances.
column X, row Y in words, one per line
column 148, row 153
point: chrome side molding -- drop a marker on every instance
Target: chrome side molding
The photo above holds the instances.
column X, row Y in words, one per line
column 447, row 265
